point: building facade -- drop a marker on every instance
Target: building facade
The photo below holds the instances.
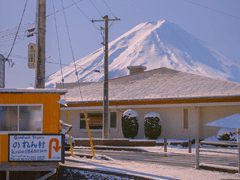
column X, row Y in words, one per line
column 184, row 101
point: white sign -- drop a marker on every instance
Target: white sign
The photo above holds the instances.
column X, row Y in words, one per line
column 32, row 55
column 36, row 147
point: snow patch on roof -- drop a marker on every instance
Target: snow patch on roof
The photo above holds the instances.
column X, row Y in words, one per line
column 162, row 83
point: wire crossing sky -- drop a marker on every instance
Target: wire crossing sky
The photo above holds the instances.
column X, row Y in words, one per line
column 214, row 22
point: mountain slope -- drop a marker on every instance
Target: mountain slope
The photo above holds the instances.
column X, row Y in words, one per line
column 154, row 45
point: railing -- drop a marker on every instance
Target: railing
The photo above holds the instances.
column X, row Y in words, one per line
column 218, row 145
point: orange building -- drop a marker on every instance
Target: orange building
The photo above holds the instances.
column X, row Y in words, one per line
column 23, row 112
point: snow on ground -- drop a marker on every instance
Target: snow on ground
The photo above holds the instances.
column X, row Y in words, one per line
column 150, row 170
column 159, row 171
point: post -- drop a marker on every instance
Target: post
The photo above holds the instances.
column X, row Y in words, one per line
column 7, row 175
column 189, row 145
column 41, row 30
column 165, row 144
column 105, row 95
column 89, row 134
column 197, row 153
column 105, row 132
column 70, row 136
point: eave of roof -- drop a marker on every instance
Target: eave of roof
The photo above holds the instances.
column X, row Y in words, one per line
column 191, row 100
column 20, row 90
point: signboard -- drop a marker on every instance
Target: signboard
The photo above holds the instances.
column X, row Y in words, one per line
column 32, row 55
column 95, row 122
column 36, row 147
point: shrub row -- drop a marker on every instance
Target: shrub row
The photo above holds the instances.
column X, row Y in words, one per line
column 130, row 126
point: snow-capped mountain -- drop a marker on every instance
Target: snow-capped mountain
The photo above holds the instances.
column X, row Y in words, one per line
column 154, row 45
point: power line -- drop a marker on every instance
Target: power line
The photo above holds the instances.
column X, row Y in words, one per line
column 64, row 8
column 96, row 8
column 59, row 54
column 17, row 30
column 49, row 62
column 17, row 41
column 212, row 9
column 69, row 38
column 81, row 11
column 33, row 22
column 112, row 14
column 28, row 24
column 72, row 51
column 109, row 8
column 85, row 15
column 7, row 36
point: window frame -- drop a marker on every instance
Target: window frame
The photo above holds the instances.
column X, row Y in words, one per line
column 18, row 119
column 116, row 128
column 97, row 130
column 83, row 119
column 183, row 119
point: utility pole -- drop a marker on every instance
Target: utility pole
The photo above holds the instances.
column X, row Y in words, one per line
column 105, row 134
column 41, row 30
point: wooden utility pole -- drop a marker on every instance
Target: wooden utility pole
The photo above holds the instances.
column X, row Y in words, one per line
column 41, row 30
column 105, row 131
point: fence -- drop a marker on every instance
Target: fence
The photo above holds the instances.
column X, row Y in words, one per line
column 200, row 148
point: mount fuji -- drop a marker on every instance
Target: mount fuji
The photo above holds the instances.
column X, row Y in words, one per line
column 154, row 45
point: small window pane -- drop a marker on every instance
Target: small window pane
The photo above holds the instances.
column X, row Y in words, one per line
column 30, row 118
column 82, row 124
column 95, row 120
column 8, row 118
column 185, row 119
column 82, row 115
column 113, row 123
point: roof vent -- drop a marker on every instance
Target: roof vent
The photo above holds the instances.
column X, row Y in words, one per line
column 136, row 69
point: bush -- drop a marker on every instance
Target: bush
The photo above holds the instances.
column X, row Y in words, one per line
column 130, row 124
column 152, row 126
column 226, row 134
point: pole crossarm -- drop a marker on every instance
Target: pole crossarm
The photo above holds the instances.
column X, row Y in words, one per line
column 116, row 19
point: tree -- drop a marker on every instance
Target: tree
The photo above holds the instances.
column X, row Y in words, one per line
column 226, row 134
column 152, row 125
column 130, row 124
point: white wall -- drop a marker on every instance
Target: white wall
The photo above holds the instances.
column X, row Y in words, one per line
column 172, row 121
column 210, row 114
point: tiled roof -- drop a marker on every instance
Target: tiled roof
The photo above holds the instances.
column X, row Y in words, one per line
column 160, row 83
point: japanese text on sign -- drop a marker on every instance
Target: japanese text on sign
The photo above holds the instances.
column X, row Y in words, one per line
column 36, row 147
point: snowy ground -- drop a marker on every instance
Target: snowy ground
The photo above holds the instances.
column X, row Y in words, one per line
column 157, row 171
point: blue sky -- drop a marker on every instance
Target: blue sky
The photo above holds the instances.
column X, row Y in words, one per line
column 216, row 22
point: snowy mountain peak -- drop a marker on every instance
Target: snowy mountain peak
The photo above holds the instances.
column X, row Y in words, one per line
column 154, row 45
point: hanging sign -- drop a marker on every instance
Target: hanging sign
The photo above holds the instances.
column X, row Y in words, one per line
column 32, row 55
column 36, row 147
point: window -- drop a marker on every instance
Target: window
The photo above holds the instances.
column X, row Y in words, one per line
column 113, row 120
column 185, row 119
column 95, row 120
column 21, row 118
column 82, row 121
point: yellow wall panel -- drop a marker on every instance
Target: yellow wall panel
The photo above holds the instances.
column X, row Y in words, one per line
column 51, row 111
column 47, row 113
column 3, row 147
column 5, row 98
